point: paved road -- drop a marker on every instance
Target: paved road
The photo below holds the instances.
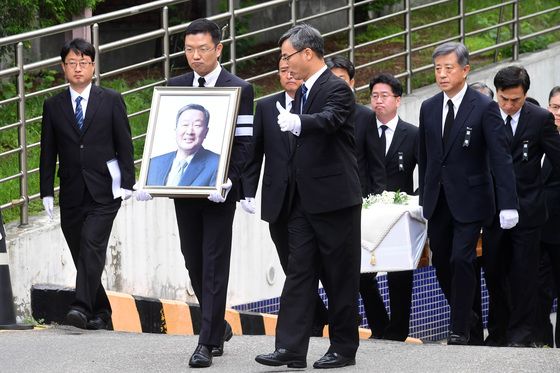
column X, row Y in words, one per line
column 66, row 349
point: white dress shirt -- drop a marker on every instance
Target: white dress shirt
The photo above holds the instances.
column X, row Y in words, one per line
column 389, row 132
column 457, row 99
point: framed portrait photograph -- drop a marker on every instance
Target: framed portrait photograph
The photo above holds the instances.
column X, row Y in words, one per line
column 188, row 140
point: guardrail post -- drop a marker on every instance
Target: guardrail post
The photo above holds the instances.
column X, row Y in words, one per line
column 165, row 25
column 351, row 31
column 462, row 20
column 408, row 46
column 293, row 5
column 232, row 50
column 22, row 139
column 516, row 30
column 97, row 74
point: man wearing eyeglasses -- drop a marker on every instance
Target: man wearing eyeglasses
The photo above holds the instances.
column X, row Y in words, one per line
column 205, row 225
column 323, row 206
column 86, row 128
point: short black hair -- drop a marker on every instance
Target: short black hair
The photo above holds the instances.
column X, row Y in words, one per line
column 553, row 92
column 204, row 26
column 341, row 62
column 388, row 79
column 193, row 107
column 511, row 77
column 78, row 46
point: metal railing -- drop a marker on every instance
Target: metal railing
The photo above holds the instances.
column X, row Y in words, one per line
column 408, row 57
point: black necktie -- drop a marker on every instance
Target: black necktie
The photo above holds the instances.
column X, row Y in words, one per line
column 449, row 119
column 383, row 140
column 303, row 96
column 201, row 82
column 509, row 129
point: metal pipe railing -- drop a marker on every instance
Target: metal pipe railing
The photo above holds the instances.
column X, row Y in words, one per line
column 232, row 16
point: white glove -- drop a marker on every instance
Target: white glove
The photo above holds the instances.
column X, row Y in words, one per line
column 287, row 121
column 140, row 194
column 216, row 196
column 508, row 219
column 126, row 194
column 248, row 205
column 48, row 204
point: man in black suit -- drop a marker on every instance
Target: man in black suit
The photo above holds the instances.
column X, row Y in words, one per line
column 399, row 149
column 511, row 257
column 324, row 206
column 461, row 137
column 205, row 226
column 549, row 269
column 269, row 141
column 86, row 128
column 370, row 161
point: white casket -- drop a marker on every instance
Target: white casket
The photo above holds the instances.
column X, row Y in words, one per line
column 393, row 236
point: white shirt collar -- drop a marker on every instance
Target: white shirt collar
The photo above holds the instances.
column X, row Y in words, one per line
column 211, row 78
column 313, row 78
column 85, row 94
column 514, row 117
column 457, row 99
column 288, row 101
column 392, row 124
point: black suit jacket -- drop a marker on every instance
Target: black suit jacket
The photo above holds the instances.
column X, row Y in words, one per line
column 537, row 134
column 243, row 129
column 83, row 154
column 269, row 141
column 370, row 161
column 551, row 180
column 404, row 144
column 463, row 169
column 324, row 158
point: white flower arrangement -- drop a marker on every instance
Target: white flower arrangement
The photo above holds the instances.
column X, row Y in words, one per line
column 387, row 198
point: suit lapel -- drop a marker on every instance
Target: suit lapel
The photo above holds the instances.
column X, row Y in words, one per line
column 521, row 127
column 223, row 78
column 285, row 136
column 465, row 109
column 95, row 99
column 437, row 114
column 65, row 102
column 314, row 90
column 398, row 138
column 193, row 169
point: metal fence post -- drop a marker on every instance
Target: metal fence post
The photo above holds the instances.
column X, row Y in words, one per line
column 165, row 25
column 462, row 20
column 408, row 46
column 351, row 31
column 22, row 139
column 97, row 74
column 232, row 50
column 517, row 43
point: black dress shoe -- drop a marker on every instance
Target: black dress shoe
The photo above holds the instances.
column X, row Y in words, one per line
column 333, row 360
column 201, row 357
column 522, row 344
column 97, row 323
column 282, row 356
column 219, row 350
column 76, row 318
column 457, row 340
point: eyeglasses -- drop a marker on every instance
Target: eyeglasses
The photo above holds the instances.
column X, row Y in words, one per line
column 287, row 58
column 74, row 64
column 201, row 50
column 383, row 96
column 554, row 108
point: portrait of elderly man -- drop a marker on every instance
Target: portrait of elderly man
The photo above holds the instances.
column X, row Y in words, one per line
column 190, row 164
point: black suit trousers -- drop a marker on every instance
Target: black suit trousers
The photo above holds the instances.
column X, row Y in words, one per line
column 325, row 245
column 453, row 246
column 205, row 232
column 87, row 228
column 279, row 234
column 511, row 261
column 400, row 293
column 548, row 288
